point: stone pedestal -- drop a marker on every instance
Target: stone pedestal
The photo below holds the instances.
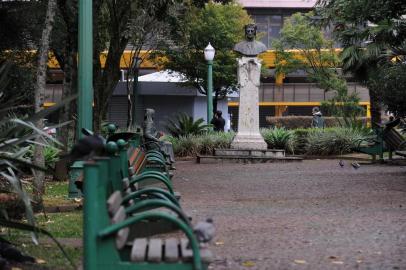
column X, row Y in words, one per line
column 248, row 136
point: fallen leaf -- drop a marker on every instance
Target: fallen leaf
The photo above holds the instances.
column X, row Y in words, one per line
column 300, row 261
column 219, row 243
column 337, row 262
column 41, row 261
column 359, row 261
column 333, row 257
column 248, row 264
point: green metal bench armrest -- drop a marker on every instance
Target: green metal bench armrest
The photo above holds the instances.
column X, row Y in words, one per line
column 162, row 179
column 112, row 229
column 156, row 152
column 156, row 203
column 154, row 173
column 154, row 158
column 157, row 160
column 151, row 190
column 369, row 139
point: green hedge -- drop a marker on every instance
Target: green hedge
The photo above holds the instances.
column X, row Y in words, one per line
column 204, row 144
column 295, row 122
column 328, row 141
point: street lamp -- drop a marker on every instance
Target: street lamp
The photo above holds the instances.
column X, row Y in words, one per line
column 136, row 67
column 209, row 52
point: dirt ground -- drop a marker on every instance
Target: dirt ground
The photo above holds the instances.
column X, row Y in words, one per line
column 303, row 215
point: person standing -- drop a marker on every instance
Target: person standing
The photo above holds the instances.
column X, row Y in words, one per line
column 218, row 121
column 317, row 121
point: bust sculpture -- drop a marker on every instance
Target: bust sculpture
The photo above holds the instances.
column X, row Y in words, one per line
column 250, row 47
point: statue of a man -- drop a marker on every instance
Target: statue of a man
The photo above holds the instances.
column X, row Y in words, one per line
column 250, row 47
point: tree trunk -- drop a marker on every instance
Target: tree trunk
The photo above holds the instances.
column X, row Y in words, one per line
column 69, row 12
column 374, row 99
column 39, row 176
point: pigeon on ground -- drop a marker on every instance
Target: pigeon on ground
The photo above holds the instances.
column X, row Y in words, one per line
column 204, row 231
column 341, row 163
column 355, row 165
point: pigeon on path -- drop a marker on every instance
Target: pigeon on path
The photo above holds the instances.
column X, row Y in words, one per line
column 204, row 231
column 355, row 165
column 341, row 163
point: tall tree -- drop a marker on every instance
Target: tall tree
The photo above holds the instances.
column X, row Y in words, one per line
column 302, row 46
column 38, row 156
column 148, row 31
column 113, row 29
column 112, row 20
column 365, row 29
column 221, row 25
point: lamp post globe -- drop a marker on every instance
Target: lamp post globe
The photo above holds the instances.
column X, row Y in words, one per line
column 209, row 52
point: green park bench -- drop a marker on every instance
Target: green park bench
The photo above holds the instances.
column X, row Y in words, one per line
column 109, row 243
column 385, row 139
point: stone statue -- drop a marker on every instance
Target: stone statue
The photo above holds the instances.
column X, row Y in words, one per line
column 248, row 74
column 151, row 137
column 250, row 47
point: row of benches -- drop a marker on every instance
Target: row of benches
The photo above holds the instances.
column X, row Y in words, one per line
column 123, row 213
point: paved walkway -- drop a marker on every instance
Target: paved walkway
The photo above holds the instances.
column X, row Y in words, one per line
column 307, row 215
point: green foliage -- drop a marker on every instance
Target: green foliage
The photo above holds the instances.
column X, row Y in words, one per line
column 392, row 84
column 51, row 155
column 279, row 138
column 319, row 59
column 332, row 141
column 222, row 26
column 184, row 125
column 370, row 33
column 192, row 145
column 300, row 136
column 316, row 54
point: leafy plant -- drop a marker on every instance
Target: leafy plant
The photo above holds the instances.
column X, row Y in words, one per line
column 332, row 141
column 278, row 138
column 184, row 125
column 51, row 155
column 193, row 145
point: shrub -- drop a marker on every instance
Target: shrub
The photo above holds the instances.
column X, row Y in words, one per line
column 184, row 125
column 51, row 155
column 332, row 141
column 300, row 138
column 193, row 145
column 278, row 138
column 295, row 122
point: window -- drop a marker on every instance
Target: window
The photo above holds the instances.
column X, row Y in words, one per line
column 269, row 27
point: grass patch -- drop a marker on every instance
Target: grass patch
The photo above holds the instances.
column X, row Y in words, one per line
column 56, row 194
column 49, row 256
column 60, row 225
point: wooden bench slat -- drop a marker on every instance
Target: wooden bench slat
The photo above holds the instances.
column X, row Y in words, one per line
column 154, row 250
column 171, row 250
column 139, row 250
column 122, row 235
column 187, row 254
column 126, row 183
column 114, row 202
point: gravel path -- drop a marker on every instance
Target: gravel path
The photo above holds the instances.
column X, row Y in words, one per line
column 304, row 215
